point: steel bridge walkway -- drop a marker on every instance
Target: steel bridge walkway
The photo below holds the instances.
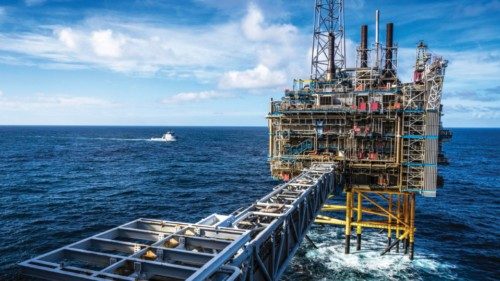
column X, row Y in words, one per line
column 256, row 243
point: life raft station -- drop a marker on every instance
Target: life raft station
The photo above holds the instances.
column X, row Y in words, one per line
column 357, row 135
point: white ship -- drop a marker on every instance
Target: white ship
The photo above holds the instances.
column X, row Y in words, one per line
column 168, row 136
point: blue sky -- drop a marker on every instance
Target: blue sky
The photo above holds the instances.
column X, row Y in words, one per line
column 217, row 62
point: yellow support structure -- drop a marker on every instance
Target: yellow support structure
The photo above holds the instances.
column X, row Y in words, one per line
column 359, row 216
column 348, row 217
column 389, row 233
column 412, row 225
column 389, row 210
column 332, row 208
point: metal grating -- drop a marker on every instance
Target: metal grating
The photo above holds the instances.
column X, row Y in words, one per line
column 143, row 249
column 254, row 244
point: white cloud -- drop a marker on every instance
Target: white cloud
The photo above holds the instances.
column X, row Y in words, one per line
column 74, row 101
column 68, row 37
column 132, row 47
column 278, row 47
column 190, row 97
column 107, row 45
column 41, row 100
column 258, row 77
column 1, row 93
column 471, row 70
column 470, row 112
column 255, row 28
column 470, row 104
column 206, row 53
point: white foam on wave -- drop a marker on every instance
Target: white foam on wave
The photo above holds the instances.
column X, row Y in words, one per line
column 160, row 139
column 116, row 139
column 365, row 264
column 126, row 139
column 113, row 139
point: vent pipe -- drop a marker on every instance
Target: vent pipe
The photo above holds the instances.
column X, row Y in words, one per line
column 388, row 46
column 377, row 46
column 330, row 73
column 364, row 46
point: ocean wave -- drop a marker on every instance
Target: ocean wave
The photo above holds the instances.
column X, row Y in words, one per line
column 366, row 264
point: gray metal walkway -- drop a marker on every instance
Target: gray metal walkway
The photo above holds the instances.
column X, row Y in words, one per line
column 254, row 244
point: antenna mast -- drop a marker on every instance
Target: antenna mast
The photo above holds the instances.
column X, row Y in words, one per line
column 328, row 52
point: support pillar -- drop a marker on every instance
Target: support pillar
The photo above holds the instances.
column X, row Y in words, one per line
column 348, row 213
column 406, row 209
column 358, row 220
column 389, row 220
column 412, row 225
column 398, row 215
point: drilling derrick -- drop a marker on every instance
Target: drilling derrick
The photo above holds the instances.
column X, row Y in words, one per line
column 328, row 52
column 383, row 134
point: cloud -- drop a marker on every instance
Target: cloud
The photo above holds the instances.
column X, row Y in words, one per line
column 251, row 46
column 68, row 37
column 472, row 70
column 470, row 102
column 107, row 45
column 130, row 47
column 255, row 28
column 191, row 97
column 41, row 100
column 258, row 77
column 470, row 112
column 278, row 47
column 73, row 101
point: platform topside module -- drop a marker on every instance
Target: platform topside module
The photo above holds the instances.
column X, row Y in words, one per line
column 386, row 131
column 385, row 134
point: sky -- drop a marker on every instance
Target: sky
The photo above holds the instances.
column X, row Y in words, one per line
column 218, row 62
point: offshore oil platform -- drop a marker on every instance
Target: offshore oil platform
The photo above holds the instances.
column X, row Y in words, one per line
column 354, row 131
column 384, row 134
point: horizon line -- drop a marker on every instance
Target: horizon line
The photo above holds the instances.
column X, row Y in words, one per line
column 132, row 125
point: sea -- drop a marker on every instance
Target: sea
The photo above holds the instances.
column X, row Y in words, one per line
column 60, row 184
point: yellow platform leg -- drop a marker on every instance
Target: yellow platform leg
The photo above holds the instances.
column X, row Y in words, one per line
column 348, row 216
column 359, row 216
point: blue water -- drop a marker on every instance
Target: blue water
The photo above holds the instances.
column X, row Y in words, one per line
column 62, row 184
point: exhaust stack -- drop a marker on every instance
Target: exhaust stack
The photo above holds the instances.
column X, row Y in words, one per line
column 388, row 46
column 377, row 45
column 364, row 46
column 330, row 73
